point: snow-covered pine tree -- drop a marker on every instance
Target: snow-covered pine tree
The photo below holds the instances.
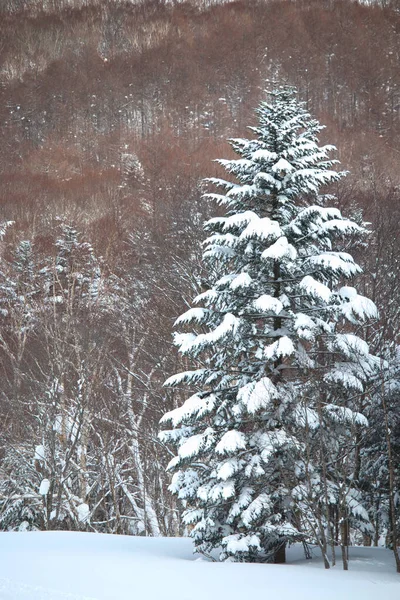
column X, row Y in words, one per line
column 269, row 323
column 380, row 470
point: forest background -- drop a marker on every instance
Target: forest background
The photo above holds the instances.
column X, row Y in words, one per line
column 110, row 116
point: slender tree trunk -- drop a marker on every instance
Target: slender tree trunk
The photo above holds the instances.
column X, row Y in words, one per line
column 150, row 515
column 344, row 541
column 324, row 482
column 280, row 554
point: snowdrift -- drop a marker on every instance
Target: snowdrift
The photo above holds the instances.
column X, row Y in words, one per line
column 84, row 566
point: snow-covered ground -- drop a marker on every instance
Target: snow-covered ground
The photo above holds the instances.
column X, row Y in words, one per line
column 84, row 566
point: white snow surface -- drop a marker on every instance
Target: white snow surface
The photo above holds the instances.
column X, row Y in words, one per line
column 83, row 512
column 44, row 487
column 315, row 288
column 267, row 303
column 241, row 281
column 280, row 249
column 193, row 314
column 231, row 441
column 256, row 395
column 87, row 566
column 40, row 452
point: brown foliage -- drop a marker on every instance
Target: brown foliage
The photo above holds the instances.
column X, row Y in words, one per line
column 110, row 115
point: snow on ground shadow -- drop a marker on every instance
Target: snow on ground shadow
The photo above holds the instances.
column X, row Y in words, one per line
column 84, row 566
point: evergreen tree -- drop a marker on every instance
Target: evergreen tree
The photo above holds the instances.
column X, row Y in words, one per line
column 274, row 347
column 380, row 472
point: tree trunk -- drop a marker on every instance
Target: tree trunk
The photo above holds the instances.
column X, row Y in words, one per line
column 345, row 543
column 280, row 554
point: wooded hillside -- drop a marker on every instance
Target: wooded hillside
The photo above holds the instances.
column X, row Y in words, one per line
column 110, row 116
